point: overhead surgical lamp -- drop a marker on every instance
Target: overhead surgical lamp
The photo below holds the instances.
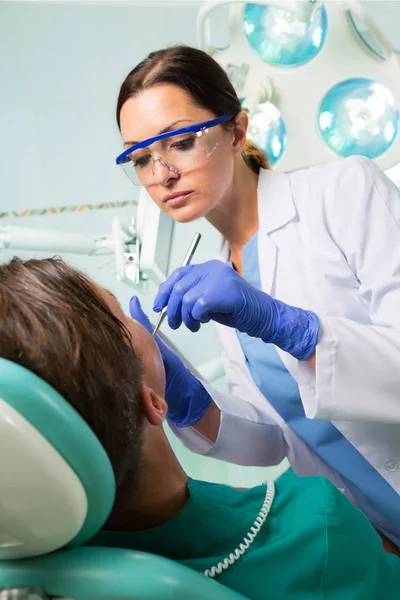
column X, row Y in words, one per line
column 280, row 37
column 319, row 80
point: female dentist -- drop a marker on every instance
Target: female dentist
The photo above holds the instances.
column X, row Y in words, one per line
column 306, row 292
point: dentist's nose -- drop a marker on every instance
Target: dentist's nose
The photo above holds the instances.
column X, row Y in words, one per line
column 163, row 172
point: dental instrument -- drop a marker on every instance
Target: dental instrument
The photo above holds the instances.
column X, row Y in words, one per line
column 186, row 261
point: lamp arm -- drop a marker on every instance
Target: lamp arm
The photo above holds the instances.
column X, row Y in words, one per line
column 302, row 10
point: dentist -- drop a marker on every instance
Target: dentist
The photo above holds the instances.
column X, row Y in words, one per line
column 306, row 293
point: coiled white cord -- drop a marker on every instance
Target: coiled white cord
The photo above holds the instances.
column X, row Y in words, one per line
column 250, row 536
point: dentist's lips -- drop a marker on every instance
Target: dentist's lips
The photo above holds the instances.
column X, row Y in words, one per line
column 177, row 198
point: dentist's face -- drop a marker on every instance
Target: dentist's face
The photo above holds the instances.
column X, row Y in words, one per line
column 143, row 344
column 196, row 192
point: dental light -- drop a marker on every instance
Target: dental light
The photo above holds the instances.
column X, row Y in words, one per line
column 280, row 38
column 319, row 80
column 359, row 116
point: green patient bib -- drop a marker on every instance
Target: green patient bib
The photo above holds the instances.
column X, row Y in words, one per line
column 314, row 544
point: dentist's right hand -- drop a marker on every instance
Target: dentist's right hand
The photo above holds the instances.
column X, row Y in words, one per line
column 186, row 397
column 213, row 290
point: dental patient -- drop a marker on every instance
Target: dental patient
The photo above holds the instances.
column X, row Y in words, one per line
column 314, row 544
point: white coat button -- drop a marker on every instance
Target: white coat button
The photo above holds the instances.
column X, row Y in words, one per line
column 391, row 466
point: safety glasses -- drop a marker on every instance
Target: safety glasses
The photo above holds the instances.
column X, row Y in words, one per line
column 178, row 151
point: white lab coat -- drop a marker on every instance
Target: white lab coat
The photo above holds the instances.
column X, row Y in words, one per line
column 329, row 241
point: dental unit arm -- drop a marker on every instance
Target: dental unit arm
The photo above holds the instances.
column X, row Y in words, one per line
column 123, row 242
column 141, row 248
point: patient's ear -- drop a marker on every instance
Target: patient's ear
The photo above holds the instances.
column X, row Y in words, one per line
column 154, row 407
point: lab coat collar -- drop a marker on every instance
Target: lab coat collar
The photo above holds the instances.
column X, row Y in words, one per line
column 275, row 201
column 276, row 207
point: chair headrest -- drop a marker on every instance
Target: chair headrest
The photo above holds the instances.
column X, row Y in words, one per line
column 57, row 483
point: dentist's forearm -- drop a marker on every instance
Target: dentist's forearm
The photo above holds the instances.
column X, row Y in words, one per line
column 209, row 423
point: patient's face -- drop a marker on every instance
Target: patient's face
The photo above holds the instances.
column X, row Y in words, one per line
column 143, row 344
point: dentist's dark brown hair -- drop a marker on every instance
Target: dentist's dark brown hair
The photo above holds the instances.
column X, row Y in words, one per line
column 199, row 75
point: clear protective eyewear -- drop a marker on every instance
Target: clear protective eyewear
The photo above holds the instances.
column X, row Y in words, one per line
column 179, row 151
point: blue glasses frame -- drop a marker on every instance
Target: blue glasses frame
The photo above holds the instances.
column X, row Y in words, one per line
column 123, row 158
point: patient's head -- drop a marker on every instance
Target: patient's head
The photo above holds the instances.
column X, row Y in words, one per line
column 74, row 335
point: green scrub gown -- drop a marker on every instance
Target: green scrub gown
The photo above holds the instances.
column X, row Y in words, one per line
column 314, row 545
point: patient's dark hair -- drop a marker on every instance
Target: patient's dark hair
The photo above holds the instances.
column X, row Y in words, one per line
column 54, row 322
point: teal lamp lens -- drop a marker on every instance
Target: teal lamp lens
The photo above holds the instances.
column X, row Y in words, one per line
column 267, row 130
column 280, row 39
column 359, row 116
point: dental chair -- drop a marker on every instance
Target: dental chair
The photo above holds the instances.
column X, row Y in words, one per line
column 56, row 491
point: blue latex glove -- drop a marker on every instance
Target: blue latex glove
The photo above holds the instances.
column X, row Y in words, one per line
column 213, row 290
column 187, row 399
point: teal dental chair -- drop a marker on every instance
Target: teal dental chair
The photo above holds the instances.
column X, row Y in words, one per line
column 56, row 491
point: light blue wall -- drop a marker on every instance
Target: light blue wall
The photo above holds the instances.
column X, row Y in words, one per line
column 61, row 65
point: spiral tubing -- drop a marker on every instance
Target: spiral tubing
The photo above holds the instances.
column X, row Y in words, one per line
column 250, row 536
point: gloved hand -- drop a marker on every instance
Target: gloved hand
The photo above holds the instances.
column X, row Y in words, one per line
column 186, row 397
column 213, row 290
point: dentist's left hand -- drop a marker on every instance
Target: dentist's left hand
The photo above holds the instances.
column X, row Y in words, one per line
column 186, row 397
